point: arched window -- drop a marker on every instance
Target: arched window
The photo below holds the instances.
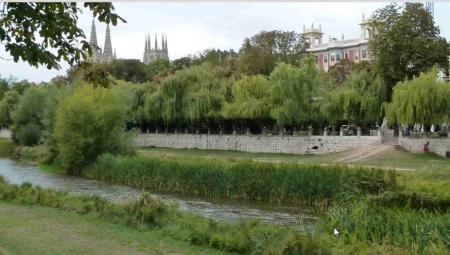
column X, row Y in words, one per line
column 316, row 41
column 367, row 33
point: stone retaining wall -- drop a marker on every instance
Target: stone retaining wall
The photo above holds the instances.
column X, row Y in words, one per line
column 5, row 133
column 258, row 143
column 439, row 146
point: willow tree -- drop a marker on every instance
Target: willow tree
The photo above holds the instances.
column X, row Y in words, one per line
column 250, row 99
column 423, row 100
column 292, row 92
column 192, row 95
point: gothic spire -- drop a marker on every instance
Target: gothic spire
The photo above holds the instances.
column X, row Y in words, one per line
column 93, row 40
column 162, row 42
column 146, row 44
column 149, row 43
column 167, row 48
column 108, row 47
column 156, row 42
column 115, row 56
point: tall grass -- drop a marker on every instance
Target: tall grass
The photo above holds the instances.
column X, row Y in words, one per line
column 243, row 179
column 420, row 231
column 148, row 212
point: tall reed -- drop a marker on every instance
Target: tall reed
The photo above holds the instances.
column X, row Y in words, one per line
column 243, row 179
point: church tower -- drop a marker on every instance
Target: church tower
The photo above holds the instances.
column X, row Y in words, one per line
column 107, row 51
column 97, row 55
column 157, row 52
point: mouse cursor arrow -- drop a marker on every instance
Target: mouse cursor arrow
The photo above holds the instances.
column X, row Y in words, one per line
column 335, row 232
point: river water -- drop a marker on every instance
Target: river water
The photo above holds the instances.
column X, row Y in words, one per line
column 302, row 218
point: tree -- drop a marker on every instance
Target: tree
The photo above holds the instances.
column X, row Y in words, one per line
column 192, row 95
column 132, row 70
column 292, row 92
column 250, row 99
column 422, row 100
column 158, row 69
column 7, row 106
column 260, row 53
column 90, row 122
column 56, row 26
column 405, row 42
column 27, row 118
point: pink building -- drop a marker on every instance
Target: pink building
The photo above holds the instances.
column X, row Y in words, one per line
column 328, row 54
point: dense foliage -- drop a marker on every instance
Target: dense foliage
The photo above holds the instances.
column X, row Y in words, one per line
column 90, row 122
column 31, row 31
column 421, row 100
column 405, row 42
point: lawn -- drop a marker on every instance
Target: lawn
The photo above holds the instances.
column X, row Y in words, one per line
column 38, row 230
column 389, row 157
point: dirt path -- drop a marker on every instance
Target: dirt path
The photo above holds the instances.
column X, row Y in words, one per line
column 363, row 153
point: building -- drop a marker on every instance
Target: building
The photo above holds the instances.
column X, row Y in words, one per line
column 330, row 53
column 152, row 54
column 99, row 56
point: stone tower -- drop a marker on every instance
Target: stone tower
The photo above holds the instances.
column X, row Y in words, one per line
column 312, row 35
column 97, row 55
column 152, row 54
column 365, row 28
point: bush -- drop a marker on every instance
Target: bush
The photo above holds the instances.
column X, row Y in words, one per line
column 243, row 179
column 27, row 127
column 90, row 122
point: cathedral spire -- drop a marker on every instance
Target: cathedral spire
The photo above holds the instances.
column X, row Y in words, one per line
column 108, row 47
column 93, row 40
column 156, row 42
column 165, row 41
column 162, row 42
column 149, row 43
column 146, row 44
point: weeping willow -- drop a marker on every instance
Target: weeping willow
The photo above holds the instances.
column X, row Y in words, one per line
column 422, row 100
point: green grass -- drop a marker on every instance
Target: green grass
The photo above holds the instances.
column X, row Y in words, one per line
column 35, row 230
column 390, row 158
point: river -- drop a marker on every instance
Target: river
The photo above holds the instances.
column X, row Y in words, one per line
column 302, row 218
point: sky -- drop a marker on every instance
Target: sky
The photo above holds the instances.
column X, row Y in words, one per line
column 193, row 27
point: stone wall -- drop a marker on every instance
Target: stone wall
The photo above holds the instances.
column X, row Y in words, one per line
column 5, row 133
column 439, row 146
column 258, row 143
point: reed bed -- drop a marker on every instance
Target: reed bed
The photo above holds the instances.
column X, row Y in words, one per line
column 243, row 179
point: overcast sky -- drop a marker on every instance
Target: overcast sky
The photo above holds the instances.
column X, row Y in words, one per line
column 193, row 27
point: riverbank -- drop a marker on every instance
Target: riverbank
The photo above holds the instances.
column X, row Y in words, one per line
column 38, row 230
column 373, row 213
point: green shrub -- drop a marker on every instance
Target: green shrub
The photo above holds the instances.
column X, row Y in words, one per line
column 243, row 179
column 90, row 122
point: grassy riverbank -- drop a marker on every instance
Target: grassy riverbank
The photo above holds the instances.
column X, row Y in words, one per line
column 376, row 212
column 389, row 157
column 38, row 230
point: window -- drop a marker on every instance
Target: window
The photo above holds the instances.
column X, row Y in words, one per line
column 338, row 56
column 325, row 59
column 332, row 57
column 356, row 52
column 363, row 54
column 316, row 41
column 347, row 55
